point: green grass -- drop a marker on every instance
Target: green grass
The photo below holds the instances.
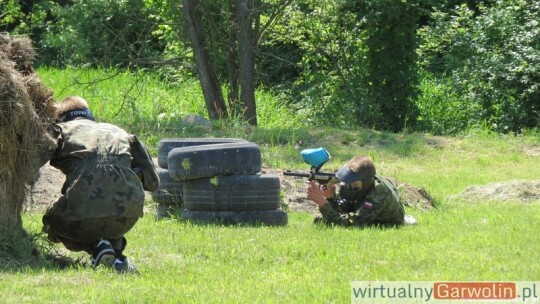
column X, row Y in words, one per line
column 300, row 262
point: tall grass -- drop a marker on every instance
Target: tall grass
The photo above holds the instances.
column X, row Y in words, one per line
column 134, row 100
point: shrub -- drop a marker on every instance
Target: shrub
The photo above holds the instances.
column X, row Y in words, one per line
column 101, row 33
column 491, row 60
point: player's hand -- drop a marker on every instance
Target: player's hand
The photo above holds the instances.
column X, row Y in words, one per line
column 316, row 194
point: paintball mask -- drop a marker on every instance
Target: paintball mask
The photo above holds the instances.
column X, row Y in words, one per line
column 349, row 193
column 352, row 184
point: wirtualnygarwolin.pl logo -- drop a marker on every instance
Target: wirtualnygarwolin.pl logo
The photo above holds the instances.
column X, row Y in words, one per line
column 445, row 292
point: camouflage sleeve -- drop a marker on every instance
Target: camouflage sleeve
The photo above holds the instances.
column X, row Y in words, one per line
column 362, row 216
column 143, row 161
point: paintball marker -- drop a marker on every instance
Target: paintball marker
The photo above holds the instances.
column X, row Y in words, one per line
column 316, row 158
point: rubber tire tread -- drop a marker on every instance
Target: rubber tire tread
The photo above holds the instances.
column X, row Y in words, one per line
column 165, row 146
column 169, row 191
column 233, row 193
column 269, row 217
column 206, row 161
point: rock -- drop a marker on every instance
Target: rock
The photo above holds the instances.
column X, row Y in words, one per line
column 196, row 120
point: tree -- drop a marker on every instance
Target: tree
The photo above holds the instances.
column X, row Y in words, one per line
column 240, row 59
column 391, row 60
column 211, row 87
column 244, row 34
column 246, row 12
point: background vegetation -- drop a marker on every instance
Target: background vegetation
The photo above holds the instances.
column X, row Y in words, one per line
column 438, row 66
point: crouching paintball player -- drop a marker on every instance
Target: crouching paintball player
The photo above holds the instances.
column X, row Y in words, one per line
column 363, row 199
column 107, row 171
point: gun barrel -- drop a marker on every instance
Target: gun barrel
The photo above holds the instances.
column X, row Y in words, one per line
column 298, row 174
column 320, row 177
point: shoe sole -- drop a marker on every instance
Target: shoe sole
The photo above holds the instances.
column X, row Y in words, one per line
column 107, row 259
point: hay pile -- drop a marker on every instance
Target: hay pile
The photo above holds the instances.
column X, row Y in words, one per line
column 512, row 191
column 25, row 114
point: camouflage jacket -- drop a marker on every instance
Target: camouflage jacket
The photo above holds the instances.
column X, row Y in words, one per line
column 380, row 206
column 97, row 159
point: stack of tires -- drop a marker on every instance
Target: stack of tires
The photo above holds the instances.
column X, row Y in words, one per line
column 220, row 181
column 168, row 196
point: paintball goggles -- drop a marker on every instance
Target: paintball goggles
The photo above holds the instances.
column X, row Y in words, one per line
column 316, row 158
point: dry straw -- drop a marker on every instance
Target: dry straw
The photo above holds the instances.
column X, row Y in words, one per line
column 25, row 114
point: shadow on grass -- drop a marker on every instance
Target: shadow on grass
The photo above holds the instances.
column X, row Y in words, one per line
column 33, row 251
column 268, row 218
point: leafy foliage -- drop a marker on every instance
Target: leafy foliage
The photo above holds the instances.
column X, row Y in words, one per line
column 101, row 33
column 491, row 61
column 348, row 63
column 358, row 60
column 391, row 59
column 441, row 109
column 323, row 39
column 10, row 15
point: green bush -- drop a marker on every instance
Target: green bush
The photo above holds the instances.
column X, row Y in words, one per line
column 101, row 33
column 491, row 60
column 358, row 60
column 441, row 109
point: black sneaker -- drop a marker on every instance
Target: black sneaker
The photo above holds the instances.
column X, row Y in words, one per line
column 103, row 254
column 122, row 265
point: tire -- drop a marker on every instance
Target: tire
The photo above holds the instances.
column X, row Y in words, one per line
column 206, row 161
column 233, row 193
column 270, row 218
column 167, row 144
column 169, row 191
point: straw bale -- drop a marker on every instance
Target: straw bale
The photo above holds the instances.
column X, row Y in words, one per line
column 19, row 51
column 25, row 114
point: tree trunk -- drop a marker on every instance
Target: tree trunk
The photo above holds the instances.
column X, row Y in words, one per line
column 211, row 88
column 232, row 60
column 246, row 42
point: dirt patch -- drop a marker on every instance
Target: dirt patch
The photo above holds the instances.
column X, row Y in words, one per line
column 532, row 151
column 413, row 196
column 514, row 191
column 45, row 191
column 294, row 192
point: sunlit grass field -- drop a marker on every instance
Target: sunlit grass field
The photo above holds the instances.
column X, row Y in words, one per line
column 302, row 263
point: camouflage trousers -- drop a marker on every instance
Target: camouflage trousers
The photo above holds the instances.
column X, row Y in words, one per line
column 84, row 234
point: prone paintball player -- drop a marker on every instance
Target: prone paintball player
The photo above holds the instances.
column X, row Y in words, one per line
column 353, row 196
column 361, row 198
column 107, row 171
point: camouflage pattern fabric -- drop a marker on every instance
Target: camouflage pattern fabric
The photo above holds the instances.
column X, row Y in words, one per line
column 84, row 234
column 101, row 190
column 380, row 206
